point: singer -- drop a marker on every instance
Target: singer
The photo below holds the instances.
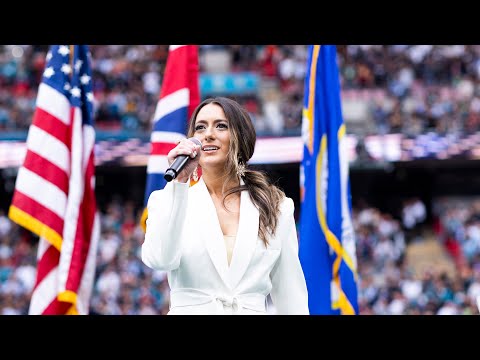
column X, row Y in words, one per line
column 230, row 240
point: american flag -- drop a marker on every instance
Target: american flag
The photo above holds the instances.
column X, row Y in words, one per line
column 54, row 193
column 179, row 96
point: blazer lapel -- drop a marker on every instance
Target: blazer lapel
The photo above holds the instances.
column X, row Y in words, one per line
column 246, row 241
column 211, row 231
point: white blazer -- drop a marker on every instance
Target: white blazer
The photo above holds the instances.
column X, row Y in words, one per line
column 184, row 238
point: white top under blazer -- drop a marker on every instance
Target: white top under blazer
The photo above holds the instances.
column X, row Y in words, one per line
column 184, row 238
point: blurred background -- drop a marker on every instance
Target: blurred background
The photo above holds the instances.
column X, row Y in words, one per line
column 412, row 114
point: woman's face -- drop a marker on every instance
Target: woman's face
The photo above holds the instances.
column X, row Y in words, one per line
column 212, row 129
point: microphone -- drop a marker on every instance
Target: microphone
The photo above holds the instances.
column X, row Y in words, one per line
column 179, row 163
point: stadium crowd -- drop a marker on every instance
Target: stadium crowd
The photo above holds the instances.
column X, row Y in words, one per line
column 409, row 89
column 125, row 286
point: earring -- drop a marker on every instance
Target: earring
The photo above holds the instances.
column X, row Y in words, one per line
column 241, row 170
column 195, row 175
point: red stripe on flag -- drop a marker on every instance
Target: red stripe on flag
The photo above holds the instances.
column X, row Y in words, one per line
column 38, row 211
column 161, row 148
column 46, row 169
column 47, row 263
column 52, row 125
column 175, row 74
column 193, row 69
column 57, row 308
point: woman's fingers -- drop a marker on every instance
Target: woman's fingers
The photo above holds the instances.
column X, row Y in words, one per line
column 184, row 147
column 188, row 147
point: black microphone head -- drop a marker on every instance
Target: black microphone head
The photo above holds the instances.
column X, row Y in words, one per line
column 169, row 175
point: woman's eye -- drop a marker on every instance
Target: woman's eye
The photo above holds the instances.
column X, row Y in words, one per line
column 223, row 126
column 198, row 127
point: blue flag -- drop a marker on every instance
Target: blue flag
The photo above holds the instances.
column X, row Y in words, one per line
column 327, row 241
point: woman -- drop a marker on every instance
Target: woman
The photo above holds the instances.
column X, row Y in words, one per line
column 230, row 240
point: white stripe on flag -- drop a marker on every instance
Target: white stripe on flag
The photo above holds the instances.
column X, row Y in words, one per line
column 53, row 102
column 172, row 102
column 50, row 195
column 56, row 152
column 166, row 137
column 175, row 47
column 157, row 164
column 44, row 293
column 88, row 144
column 42, row 247
column 88, row 277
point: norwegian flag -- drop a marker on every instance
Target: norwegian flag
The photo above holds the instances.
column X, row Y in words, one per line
column 179, row 96
column 54, row 191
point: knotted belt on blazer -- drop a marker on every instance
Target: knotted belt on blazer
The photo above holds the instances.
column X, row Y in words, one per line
column 189, row 297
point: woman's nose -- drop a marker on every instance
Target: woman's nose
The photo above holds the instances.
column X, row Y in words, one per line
column 208, row 133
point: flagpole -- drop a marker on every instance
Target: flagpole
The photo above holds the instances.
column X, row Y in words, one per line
column 72, row 50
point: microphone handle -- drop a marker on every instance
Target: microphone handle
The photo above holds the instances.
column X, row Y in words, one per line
column 178, row 163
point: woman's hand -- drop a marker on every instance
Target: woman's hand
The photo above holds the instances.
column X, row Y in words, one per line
column 185, row 147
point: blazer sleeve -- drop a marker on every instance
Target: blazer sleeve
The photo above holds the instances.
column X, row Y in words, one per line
column 289, row 289
column 161, row 249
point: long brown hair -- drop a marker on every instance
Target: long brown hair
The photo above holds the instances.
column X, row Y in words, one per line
column 265, row 195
